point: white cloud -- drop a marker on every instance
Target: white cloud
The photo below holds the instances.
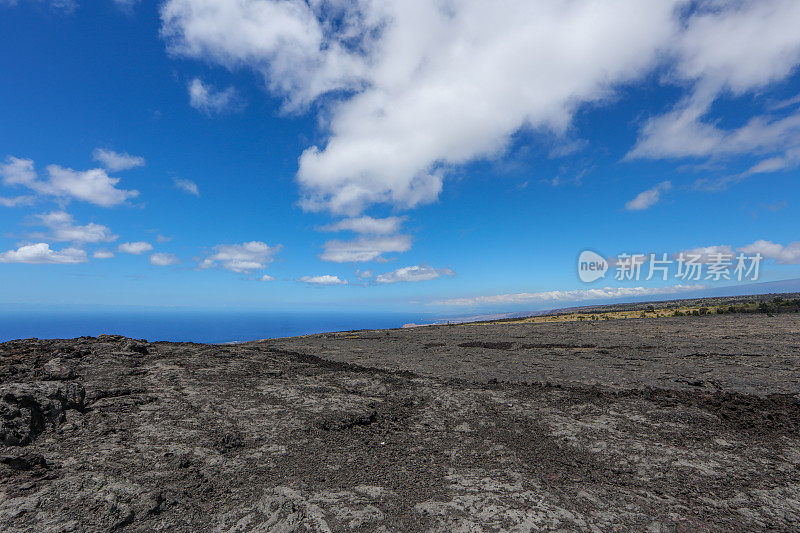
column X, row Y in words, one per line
column 135, row 248
column 789, row 159
column 417, row 87
column 66, row 6
column 116, row 161
column 282, row 39
column 740, row 46
column 41, row 253
column 17, row 171
column 241, row 258
column 162, row 259
column 783, row 104
column 126, row 5
column 266, row 277
column 63, row 228
column 682, row 133
column 568, row 296
column 162, row 238
column 786, row 255
column 414, row 273
column 364, row 249
column 187, row 186
column 648, row 198
column 103, row 254
column 93, row 186
column 706, row 254
column 735, row 48
column 365, row 224
column 364, row 274
column 210, row 100
column 17, row 201
column 327, row 279
column 424, row 85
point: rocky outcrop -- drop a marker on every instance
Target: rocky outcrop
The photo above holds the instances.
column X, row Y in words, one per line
column 27, row 409
column 365, row 432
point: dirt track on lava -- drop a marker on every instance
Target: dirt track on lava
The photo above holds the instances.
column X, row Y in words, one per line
column 674, row 424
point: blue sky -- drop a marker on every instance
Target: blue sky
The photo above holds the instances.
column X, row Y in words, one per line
column 397, row 155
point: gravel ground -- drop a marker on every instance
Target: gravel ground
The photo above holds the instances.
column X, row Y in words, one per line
column 755, row 353
column 672, row 424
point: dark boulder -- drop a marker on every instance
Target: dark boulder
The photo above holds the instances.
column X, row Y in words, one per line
column 27, row 409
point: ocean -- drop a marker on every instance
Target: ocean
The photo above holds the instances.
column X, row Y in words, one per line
column 195, row 326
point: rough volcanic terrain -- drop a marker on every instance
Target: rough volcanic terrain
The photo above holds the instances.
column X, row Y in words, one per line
column 675, row 424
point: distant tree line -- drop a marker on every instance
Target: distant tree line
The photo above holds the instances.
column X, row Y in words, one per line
column 776, row 306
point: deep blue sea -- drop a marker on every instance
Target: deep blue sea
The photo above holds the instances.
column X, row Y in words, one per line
column 196, row 326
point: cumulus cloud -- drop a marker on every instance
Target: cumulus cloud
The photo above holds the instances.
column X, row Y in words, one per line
column 93, row 186
column 327, row 279
column 63, row 228
column 187, row 186
column 414, row 273
column 423, row 85
column 648, row 198
column 17, row 201
column 266, row 277
column 364, row 249
column 41, row 253
column 135, row 248
column 162, row 259
column 365, row 224
column 786, row 255
column 17, row 171
column 103, row 254
column 568, row 296
column 117, row 161
column 209, row 100
column 416, row 87
column 241, row 258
